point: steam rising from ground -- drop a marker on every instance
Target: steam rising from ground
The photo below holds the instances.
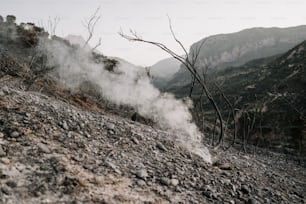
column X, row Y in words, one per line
column 127, row 85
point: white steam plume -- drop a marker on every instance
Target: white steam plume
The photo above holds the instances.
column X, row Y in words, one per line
column 128, row 85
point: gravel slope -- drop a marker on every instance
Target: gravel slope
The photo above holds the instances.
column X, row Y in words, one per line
column 54, row 152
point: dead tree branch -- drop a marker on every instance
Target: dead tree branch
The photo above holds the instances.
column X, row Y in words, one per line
column 232, row 111
column 52, row 25
column 90, row 26
column 188, row 65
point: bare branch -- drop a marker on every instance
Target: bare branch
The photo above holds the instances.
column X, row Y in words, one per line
column 232, row 112
column 188, row 65
column 90, row 26
column 52, row 25
column 97, row 45
column 175, row 38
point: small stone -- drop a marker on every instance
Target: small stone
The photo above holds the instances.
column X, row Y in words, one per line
column 110, row 164
column 266, row 200
column 225, row 166
column 2, row 152
column 110, row 126
column 233, row 187
column 161, row 146
column 15, row 134
column 2, row 175
column 165, row 181
column 2, row 93
column 113, row 167
column 174, row 182
column 11, row 184
column 117, row 171
column 65, row 126
column 1, row 135
column 44, row 148
column 210, row 189
column 6, row 190
column 226, row 181
column 5, row 160
column 207, row 194
column 142, row 174
column 245, row 189
column 251, row 201
column 242, row 179
column 216, row 161
column 134, row 139
column 6, row 90
column 141, row 182
column 246, row 157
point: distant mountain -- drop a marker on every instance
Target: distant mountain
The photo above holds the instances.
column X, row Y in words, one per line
column 163, row 71
column 165, row 68
column 235, row 49
column 241, row 47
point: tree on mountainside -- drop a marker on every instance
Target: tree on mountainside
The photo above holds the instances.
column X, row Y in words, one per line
column 90, row 25
column 194, row 68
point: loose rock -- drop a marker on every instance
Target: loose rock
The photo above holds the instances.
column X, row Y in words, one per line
column 225, row 166
column 174, row 182
column 44, row 148
column 6, row 190
column 110, row 126
column 2, row 152
column 245, row 189
column 5, row 160
column 251, row 201
column 65, row 126
column 142, row 174
column 15, row 134
column 161, row 146
column 165, row 181
column 135, row 140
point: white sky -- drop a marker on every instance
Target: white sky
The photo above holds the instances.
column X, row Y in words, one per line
column 192, row 20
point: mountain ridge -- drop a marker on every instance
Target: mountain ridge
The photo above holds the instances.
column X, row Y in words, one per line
column 272, row 91
column 234, row 49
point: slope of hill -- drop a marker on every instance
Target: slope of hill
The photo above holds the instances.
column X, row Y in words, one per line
column 235, row 49
column 55, row 150
column 270, row 92
column 66, row 144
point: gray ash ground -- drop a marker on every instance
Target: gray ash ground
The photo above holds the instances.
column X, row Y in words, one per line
column 54, row 152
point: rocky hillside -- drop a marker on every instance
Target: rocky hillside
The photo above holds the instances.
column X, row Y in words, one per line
column 236, row 49
column 52, row 151
column 70, row 145
column 268, row 93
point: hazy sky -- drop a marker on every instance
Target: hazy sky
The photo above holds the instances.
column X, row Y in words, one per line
column 192, row 20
